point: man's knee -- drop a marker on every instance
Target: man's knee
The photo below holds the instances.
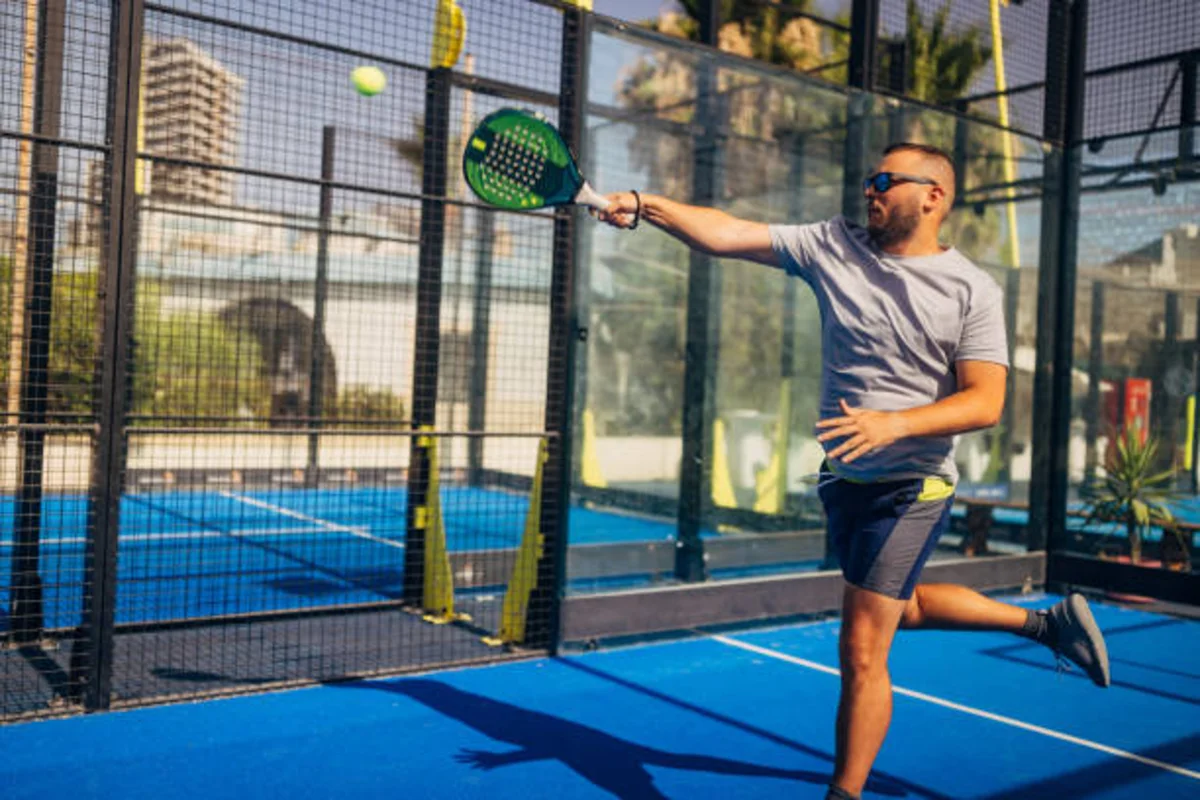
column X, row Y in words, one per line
column 868, row 625
column 862, row 663
column 862, row 655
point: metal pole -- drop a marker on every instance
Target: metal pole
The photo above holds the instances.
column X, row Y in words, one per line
column 543, row 628
column 480, row 332
column 703, row 329
column 864, row 40
column 92, row 654
column 316, row 375
column 864, row 43
column 1091, row 409
column 1168, row 397
column 1189, row 66
column 1008, row 417
column 428, row 332
column 27, row 609
column 1060, row 229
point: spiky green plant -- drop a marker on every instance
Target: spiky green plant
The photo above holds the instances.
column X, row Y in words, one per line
column 1132, row 492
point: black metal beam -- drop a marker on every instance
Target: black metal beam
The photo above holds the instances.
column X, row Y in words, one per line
column 27, row 611
column 481, row 326
column 1053, row 121
column 1060, row 232
column 1008, row 420
column 1058, row 45
column 434, row 168
column 1189, row 66
column 316, row 374
column 92, row 653
column 703, row 325
column 545, row 603
column 1091, row 407
column 1166, row 400
column 864, row 40
column 583, row 310
column 864, row 43
column 1070, row 570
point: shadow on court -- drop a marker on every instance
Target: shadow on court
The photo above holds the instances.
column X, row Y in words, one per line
column 610, row 763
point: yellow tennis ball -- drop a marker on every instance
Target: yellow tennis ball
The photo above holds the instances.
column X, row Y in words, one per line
column 368, row 80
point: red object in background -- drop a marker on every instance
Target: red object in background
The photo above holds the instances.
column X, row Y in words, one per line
column 1137, row 406
column 1125, row 404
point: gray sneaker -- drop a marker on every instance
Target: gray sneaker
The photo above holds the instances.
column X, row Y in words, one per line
column 1079, row 638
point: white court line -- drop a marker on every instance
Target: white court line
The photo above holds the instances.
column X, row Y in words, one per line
column 928, row 698
column 332, row 526
column 244, row 533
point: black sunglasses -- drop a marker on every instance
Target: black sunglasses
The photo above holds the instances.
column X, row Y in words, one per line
column 882, row 181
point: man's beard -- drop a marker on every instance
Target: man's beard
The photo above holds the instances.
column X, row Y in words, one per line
column 899, row 226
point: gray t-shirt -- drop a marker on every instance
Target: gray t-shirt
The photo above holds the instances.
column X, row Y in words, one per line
column 892, row 328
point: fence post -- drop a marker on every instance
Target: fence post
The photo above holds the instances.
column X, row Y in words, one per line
column 1065, row 79
column 428, row 328
column 703, row 325
column 545, row 604
column 27, row 602
column 92, row 654
column 316, row 374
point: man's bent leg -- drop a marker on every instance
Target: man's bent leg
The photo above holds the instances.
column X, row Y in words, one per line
column 946, row 606
column 869, row 622
column 1067, row 628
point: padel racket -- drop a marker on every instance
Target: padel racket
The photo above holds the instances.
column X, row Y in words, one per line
column 517, row 160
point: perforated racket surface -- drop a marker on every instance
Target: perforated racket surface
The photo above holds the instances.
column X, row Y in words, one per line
column 516, row 159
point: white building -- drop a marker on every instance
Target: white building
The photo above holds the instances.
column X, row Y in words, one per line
column 191, row 106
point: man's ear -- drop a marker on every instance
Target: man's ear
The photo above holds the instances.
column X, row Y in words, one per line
column 935, row 199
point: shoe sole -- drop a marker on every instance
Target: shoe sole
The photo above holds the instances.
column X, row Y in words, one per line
column 1083, row 615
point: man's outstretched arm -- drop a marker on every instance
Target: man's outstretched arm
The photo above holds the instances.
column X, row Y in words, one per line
column 708, row 230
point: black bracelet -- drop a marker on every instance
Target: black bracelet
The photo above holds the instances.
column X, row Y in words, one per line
column 637, row 213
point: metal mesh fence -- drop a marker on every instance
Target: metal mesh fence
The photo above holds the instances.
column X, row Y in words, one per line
column 276, row 385
column 285, row 403
column 965, row 55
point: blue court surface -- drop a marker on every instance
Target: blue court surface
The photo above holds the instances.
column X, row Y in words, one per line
column 189, row 555
column 200, row 554
column 744, row 714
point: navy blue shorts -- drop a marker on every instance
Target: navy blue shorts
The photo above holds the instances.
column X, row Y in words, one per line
column 883, row 533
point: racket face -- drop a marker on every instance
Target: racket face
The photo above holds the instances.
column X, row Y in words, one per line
column 517, row 160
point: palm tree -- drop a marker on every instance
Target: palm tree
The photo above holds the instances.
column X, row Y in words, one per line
column 942, row 64
column 755, row 107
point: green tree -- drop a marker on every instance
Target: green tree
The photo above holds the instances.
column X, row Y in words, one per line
column 943, row 63
column 190, row 363
column 70, row 375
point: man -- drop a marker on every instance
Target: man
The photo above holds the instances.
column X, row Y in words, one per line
column 915, row 353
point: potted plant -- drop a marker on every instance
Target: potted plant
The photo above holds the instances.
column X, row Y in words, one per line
column 1133, row 493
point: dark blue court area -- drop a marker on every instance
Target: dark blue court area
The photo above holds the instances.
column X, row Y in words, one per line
column 735, row 715
column 188, row 555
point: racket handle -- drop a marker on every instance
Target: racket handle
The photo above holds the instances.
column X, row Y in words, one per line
column 589, row 197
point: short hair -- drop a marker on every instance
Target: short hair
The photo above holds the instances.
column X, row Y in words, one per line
column 925, row 149
column 929, row 151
